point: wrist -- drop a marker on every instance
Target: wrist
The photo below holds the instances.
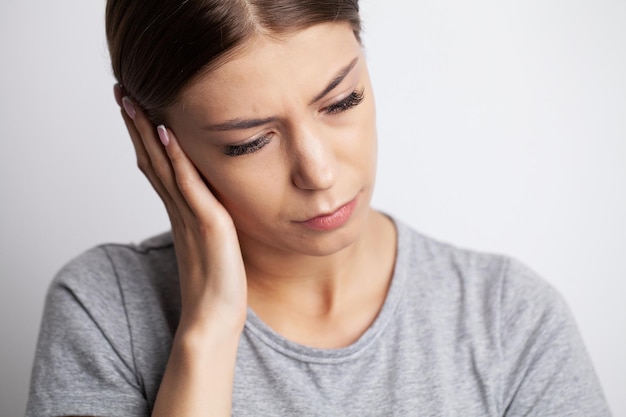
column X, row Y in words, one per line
column 200, row 331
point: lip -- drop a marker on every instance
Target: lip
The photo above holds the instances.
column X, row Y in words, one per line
column 333, row 220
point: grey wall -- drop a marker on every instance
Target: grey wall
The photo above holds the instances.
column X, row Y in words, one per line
column 502, row 127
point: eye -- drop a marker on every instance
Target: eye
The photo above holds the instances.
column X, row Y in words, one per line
column 248, row 147
column 353, row 100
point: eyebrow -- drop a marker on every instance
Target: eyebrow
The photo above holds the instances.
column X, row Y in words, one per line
column 343, row 73
column 242, row 124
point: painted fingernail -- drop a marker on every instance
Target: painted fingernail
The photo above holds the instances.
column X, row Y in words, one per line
column 163, row 135
column 129, row 107
column 118, row 93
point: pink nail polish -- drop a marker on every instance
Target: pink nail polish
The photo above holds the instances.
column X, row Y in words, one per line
column 129, row 107
column 163, row 135
column 118, row 93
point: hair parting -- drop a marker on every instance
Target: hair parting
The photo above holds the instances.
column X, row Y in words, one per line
column 158, row 47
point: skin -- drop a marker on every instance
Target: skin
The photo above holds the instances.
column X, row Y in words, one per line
column 241, row 241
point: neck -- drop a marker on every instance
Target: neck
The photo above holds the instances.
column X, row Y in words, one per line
column 320, row 287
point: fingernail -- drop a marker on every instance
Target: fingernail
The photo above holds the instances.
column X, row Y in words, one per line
column 163, row 135
column 129, row 107
column 118, row 93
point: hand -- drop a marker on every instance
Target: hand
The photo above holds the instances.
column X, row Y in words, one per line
column 210, row 264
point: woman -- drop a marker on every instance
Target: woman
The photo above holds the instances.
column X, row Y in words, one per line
column 279, row 290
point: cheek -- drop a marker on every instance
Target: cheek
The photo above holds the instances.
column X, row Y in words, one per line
column 241, row 190
column 227, row 187
column 231, row 190
column 368, row 155
column 362, row 146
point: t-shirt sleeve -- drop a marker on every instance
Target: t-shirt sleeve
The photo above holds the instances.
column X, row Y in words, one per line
column 84, row 361
column 547, row 371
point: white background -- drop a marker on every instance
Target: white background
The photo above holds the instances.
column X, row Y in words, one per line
column 502, row 127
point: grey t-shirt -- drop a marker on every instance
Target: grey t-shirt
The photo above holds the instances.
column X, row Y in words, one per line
column 460, row 334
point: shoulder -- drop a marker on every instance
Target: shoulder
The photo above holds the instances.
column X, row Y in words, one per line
column 515, row 327
column 115, row 286
column 106, row 266
column 105, row 257
column 443, row 267
column 106, row 330
column 492, row 301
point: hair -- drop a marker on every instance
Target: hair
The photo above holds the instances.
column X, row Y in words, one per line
column 158, row 47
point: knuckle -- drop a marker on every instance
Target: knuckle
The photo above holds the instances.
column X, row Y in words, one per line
column 143, row 164
column 161, row 170
column 185, row 185
column 205, row 228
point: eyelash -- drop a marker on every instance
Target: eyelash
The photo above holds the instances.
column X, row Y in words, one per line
column 246, row 148
column 354, row 99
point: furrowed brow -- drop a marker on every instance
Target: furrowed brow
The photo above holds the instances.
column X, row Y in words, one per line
column 240, row 124
column 343, row 73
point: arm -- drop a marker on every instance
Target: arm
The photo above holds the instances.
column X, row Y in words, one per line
column 546, row 368
column 199, row 374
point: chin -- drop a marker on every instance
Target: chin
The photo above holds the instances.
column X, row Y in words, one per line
column 327, row 245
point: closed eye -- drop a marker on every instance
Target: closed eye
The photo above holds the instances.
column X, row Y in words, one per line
column 354, row 99
column 249, row 147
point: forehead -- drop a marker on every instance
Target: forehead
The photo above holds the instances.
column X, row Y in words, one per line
column 296, row 64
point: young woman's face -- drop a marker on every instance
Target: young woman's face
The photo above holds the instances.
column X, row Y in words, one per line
column 284, row 132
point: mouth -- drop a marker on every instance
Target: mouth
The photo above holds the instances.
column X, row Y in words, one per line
column 334, row 220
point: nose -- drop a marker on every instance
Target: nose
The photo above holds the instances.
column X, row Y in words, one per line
column 314, row 164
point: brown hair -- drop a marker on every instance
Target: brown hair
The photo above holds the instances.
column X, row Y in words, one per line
column 158, row 46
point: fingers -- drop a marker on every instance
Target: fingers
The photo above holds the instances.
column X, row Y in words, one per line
column 119, row 93
column 169, row 170
column 210, row 263
column 189, row 182
column 151, row 157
